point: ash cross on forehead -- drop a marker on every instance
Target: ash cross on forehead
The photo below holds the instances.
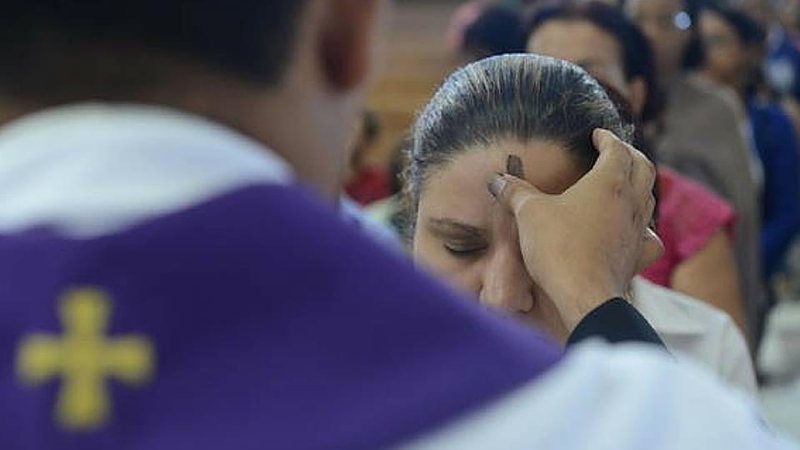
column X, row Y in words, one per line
column 514, row 166
column 84, row 358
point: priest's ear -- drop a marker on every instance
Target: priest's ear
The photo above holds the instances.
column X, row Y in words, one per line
column 348, row 41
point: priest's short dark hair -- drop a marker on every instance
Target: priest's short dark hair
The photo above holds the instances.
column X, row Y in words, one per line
column 54, row 51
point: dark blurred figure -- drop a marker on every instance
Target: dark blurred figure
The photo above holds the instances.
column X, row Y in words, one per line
column 778, row 18
column 780, row 50
column 733, row 42
column 483, row 28
column 497, row 30
column 699, row 133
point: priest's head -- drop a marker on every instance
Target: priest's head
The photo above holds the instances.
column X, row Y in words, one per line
column 290, row 73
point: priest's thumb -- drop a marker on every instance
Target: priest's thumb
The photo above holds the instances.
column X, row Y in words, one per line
column 512, row 192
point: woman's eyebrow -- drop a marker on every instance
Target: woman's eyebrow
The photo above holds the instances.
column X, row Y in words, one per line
column 451, row 226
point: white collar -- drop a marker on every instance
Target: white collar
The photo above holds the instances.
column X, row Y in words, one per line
column 671, row 312
column 93, row 169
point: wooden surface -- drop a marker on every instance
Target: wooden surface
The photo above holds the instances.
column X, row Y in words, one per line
column 417, row 61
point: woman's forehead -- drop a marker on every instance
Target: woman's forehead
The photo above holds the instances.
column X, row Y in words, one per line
column 462, row 183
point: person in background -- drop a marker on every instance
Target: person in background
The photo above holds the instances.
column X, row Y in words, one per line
column 366, row 183
column 482, row 28
column 779, row 19
column 695, row 225
column 542, row 111
column 464, row 15
column 780, row 51
column 698, row 136
column 733, row 41
column 497, row 30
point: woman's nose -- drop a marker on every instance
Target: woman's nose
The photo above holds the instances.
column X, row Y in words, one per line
column 506, row 285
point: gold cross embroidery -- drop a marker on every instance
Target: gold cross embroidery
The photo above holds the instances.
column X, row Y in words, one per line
column 83, row 358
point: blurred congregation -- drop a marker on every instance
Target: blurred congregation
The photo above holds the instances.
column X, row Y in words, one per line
column 714, row 90
column 561, row 224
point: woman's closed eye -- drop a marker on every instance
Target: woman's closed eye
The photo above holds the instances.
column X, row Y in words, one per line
column 460, row 239
column 465, row 249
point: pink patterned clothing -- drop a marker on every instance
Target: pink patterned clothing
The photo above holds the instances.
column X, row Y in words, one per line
column 689, row 215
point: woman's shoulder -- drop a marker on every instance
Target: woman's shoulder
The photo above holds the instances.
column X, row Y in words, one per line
column 673, row 313
column 707, row 97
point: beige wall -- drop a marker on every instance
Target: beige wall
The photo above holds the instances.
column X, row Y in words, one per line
column 417, row 62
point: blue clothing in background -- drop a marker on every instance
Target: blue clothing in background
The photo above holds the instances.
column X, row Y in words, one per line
column 783, row 64
column 777, row 147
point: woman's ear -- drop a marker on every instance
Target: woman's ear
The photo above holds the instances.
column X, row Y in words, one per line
column 638, row 95
column 345, row 42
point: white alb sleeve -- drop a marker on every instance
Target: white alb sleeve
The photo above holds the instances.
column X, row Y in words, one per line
column 623, row 397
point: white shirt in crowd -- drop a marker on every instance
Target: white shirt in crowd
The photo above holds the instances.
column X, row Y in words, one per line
column 696, row 331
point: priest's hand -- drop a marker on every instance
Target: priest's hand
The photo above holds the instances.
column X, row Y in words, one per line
column 583, row 247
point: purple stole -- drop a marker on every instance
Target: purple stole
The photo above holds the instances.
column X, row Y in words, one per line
column 254, row 320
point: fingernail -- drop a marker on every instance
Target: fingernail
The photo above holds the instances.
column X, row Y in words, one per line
column 497, row 184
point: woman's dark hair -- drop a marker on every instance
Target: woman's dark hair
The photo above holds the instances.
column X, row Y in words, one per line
column 747, row 30
column 522, row 97
column 637, row 56
column 749, row 33
column 694, row 55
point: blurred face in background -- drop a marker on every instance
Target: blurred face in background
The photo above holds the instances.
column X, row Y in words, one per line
column 667, row 25
column 727, row 59
column 589, row 46
column 583, row 44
